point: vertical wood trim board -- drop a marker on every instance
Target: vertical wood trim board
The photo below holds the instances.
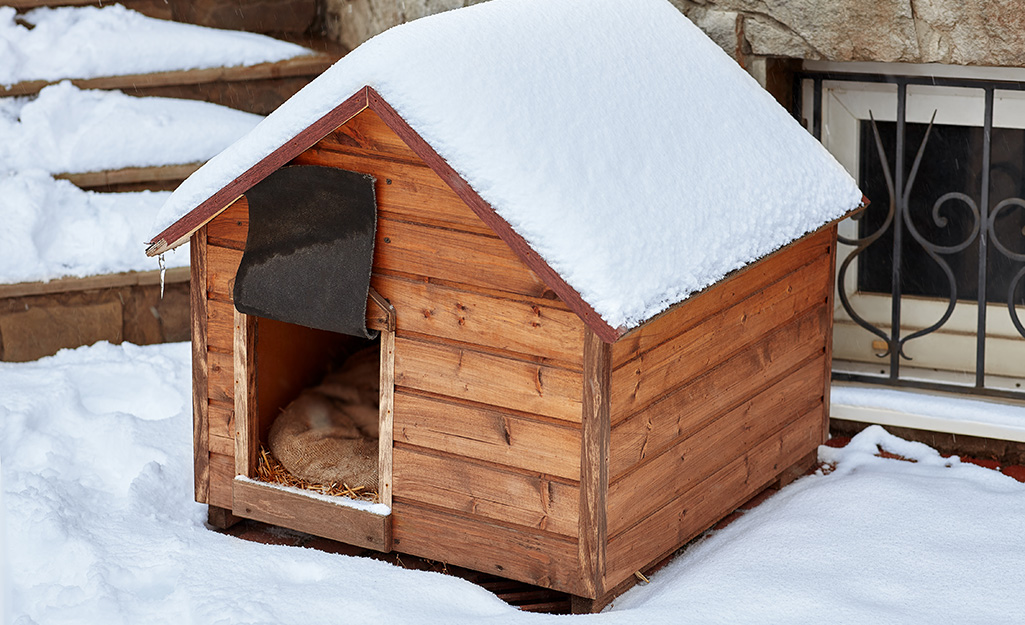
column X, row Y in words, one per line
column 387, row 417
column 200, row 400
column 594, row 462
column 247, row 430
column 830, row 291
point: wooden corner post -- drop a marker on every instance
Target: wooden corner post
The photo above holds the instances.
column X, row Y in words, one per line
column 200, row 372
column 594, row 463
column 247, row 430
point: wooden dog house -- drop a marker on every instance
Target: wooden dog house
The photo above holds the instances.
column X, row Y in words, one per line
column 522, row 432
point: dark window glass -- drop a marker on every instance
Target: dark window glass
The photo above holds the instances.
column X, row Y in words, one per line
column 952, row 162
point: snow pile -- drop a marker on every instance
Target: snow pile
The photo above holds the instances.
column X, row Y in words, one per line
column 89, row 42
column 65, row 129
column 101, row 528
column 53, row 229
column 638, row 159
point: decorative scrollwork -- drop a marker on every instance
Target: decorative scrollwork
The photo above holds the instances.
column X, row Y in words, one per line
column 1012, row 288
column 862, row 243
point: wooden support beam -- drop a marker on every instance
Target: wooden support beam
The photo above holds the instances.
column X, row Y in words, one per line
column 200, row 370
column 594, row 463
column 247, row 430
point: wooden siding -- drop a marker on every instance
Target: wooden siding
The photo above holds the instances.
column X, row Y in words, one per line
column 713, row 399
column 488, row 371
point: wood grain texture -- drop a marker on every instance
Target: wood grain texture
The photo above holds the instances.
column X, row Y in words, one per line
column 487, row 433
column 452, row 255
column 200, row 371
column 711, row 499
column 222, row 474
column 230, row 228
column 220, row 325
column 490, row 492
column 523, row 326
column 222, row 265
column 173, row 275
column 741, row 377
column 222, row 420
column 646, row 378
column 705, row 450
column 724, row 294
column 594, row 464
column 385, row 444
column 487, row 214
column 247, row 431
column 130, row 175
column 180, row 230
column 537, row 558
column 828, row 360
column 221, row 381
column 293, row 510
column 464, row 373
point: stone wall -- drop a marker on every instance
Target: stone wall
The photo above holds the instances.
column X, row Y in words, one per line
column 959, row 32
column 351, row 22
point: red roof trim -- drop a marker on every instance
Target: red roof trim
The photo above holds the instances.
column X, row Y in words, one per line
column 178, row 232
column 478, row 205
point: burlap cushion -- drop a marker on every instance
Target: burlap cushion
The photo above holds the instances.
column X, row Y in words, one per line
column 328, row 435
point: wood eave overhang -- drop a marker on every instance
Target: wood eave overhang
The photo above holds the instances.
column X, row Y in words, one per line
column 180, row 231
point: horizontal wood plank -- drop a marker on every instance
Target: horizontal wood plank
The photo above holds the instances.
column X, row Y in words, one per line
column 463, row 373
column 649, row 432
column 452, row 255
column 367, row 135
column 722, row 295
column 173, row 275
column 691, row 513
column 230, row 228
column 456, row 483
column 523, row 326
column 266, row 503
column 488, row 434
column 220, row 328
column 222, row 419
column 307, row 65
column 704, row 451
column 222, row 445
column 222, row 474
column 221, row 381
column 641, row 381
column 222, row 265
column 536, row 558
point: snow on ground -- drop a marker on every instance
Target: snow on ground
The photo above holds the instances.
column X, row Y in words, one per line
column 88, row 42
column 65, row 129
column 95, row 446
column 53, row 229
column 637, row 158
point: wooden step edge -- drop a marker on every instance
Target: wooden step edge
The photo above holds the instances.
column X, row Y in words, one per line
column 130, row 175
column 306, row 65
column 107, row 281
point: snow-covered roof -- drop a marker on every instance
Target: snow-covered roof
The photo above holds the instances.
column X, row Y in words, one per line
column 636, row 158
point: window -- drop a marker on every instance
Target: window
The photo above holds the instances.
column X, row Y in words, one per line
column 931, row 277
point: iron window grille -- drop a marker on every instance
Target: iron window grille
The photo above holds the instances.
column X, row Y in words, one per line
column 924, row 235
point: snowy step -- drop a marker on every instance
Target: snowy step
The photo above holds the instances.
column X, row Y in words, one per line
column 107, row 140
column 257, row 16
column 247, row 71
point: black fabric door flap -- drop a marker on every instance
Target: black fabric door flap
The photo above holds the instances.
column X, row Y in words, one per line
column 310, row 248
